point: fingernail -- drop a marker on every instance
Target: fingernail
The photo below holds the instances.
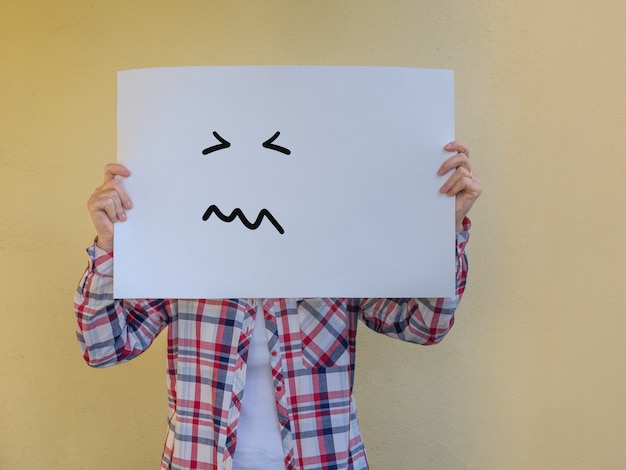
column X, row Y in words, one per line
column 129, row 204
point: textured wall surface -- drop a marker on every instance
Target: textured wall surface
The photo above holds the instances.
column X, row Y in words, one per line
column 532, row 375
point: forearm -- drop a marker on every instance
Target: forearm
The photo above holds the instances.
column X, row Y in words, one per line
column 419, row 320
column 112, row 331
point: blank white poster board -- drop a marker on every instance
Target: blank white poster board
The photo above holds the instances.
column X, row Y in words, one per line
column 285, row 181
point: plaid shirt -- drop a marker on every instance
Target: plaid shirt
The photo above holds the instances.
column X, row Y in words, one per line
column 312, row 350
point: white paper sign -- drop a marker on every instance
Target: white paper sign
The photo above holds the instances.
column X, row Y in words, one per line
column 285, row 181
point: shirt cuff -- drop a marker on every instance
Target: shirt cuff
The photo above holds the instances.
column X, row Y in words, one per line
column 100, row 261
column 462, row 237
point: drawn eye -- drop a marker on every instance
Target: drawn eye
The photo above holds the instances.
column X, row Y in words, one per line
column 224, row 144
column 269, row 144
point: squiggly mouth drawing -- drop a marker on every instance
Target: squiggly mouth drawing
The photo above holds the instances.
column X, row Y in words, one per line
column 237, row 213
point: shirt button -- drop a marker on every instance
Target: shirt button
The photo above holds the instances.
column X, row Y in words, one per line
column 274, row 353
column 279, row 388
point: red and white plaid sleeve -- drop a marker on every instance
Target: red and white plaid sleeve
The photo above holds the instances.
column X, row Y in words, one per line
column 425, row 320
column 111, row 331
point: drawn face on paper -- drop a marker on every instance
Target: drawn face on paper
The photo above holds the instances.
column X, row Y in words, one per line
column 237, row 212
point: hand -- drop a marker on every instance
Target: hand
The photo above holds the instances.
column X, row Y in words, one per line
column 108, row 204
column 463, row 183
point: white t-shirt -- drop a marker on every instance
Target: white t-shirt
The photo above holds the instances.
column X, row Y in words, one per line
column 259, row 443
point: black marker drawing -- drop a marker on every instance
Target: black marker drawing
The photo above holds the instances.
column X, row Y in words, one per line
column 269, row 144
column 213, row 209
column 223, row 145
column 237, row 213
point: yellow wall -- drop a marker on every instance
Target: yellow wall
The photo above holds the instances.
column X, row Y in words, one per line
column 532, row 376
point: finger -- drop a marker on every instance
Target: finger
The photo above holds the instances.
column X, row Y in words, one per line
column 107, row 202
column 112, row 208
column 117, row 185
column 459, row 175
column 455, row 146
column 455, row 161
column 457, row 186
column 111, row 170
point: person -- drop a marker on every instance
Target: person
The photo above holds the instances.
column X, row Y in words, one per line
column 257, row 383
